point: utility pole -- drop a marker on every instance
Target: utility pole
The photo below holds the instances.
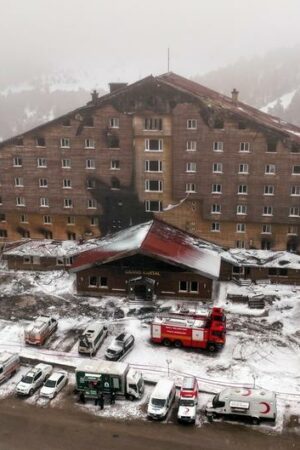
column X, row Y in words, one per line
column 168, row 59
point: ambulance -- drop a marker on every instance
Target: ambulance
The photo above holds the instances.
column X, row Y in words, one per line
column 188, row 400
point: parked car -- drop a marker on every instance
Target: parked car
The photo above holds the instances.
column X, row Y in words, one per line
column 91, row 339
column 9, row 364
column 54, row 384
column 120, row 346
column 33, row 379
column 161, row 399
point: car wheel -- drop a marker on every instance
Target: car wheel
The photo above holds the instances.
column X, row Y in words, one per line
column 178, row 344
column 255, row 421
column 31, row 392
column 166, row 342
column 130, row 397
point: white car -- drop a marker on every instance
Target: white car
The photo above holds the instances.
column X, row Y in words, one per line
column 54, row 384
column 33, row 379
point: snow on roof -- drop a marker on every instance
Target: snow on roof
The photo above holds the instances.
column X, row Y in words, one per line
column 162, row 388
column 103, row 367
column 154, row 239
column 51, row 248
column 247, row 393
column 262, row 258
column 4, row 356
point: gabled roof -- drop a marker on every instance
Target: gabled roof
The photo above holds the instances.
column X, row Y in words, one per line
column 155, row 239
column 211, row 98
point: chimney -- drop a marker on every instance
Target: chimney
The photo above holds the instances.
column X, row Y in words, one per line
column 95, row 96
column 113, row 87
column 234, row 96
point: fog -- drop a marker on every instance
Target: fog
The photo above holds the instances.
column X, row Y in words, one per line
column 124, row 40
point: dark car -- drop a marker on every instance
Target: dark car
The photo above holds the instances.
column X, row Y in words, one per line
column 121, row 345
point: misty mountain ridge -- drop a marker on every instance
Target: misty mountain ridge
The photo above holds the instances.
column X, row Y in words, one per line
column 270, row 82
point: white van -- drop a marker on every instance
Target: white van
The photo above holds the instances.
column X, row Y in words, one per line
column 161, row 399
column 256, row 404
column 92, row 338
column 9, row 364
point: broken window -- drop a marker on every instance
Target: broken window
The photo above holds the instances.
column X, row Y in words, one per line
column 113, row 141
column 40, row 142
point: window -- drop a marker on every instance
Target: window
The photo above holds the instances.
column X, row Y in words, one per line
column 88, row 122
column 115, row 164
column 218, row 123
column 48, row 234
column 292, row 230
column 115, row 183
column 270, row 169
column 2, row 217
column 241, row 210
column 244, row 168
column 242, row 189
column 94, row 221
column 153, row 166
column 273, row 271
column 153, row 186
column 19, row 142
column 296, row 170
column 114, row 122
column 23, row 218
column 65, row 143
column 244, row 146
column 191, row 167
column 66, row 163
column 153, row 145
column 103, row 282
column 183, row 286
column 271, row 145
column 25, row 234
column 191, row 124
column 242, row 125
column 43, row 183
column 216, row 208
column 240, row 227
column 89, row 143
column 269, row 189
column 153, row 124
column 215, row 226
column 295, row 148
column 216, row 189
column 0, row 200
column 218, row 146
column 19, row 182
column 267, row 211
column 240, row 244
column 294, row 211
column 217, row 168
column 93, row 281
column 67, row 184
column 90, row 164
column 71, row 236
column 47, row 220
column 17, row 161
column 44, row 202
column 190, row 187
column 191, row 146
column 71, row 220
column 40, row 142
column 92, row 203
column 90, row 184
column 3, row 234
column 295, row 190
column 266, row 228
column 153, row 206
column 42, row 162
column 20, row 201
column 194, row 286
column 113, row 141
column 68, row 203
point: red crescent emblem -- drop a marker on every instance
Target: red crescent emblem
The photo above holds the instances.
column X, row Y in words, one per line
column 247, row 392
column 267, row 408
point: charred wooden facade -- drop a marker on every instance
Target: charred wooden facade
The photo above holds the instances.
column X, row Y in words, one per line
column 164, row 147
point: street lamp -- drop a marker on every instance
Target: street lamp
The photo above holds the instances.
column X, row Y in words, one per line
column 168, row 361
column 254, row 380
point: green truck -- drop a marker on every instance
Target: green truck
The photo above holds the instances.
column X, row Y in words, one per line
column 93, row 377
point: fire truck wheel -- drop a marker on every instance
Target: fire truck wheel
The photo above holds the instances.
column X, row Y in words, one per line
column 167, row 342
column 211, row 348
column 178, row 344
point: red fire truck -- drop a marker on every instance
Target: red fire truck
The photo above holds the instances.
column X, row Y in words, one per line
column 205, row 332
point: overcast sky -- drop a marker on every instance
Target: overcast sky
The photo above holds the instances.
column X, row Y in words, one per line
column 124, row 40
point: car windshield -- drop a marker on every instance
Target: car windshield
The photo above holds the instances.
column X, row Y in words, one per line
column 186, row 402
column 158, row 402
column 140, row 384
column 1, row 369
column 111, row 351
column 215, row 400
column 27, row 379
column 84, row 343
column 50, row 383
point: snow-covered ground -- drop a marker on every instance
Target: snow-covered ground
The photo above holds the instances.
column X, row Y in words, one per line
column 262, row 346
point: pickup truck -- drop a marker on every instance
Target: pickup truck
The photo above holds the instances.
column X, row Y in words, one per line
column 33, row 379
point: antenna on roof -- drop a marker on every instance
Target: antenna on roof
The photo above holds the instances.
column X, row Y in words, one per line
column 168, row 59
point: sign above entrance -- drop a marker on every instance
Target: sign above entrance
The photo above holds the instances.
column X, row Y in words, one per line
column 142, row 272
